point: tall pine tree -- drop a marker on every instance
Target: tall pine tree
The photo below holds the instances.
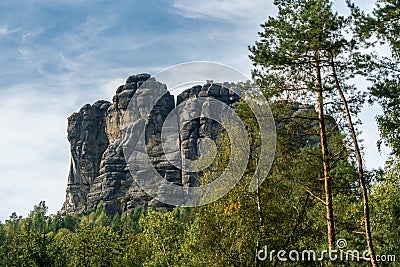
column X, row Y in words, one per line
column 303, row 54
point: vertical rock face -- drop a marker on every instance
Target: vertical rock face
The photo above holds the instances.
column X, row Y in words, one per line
column 114, row 186
column 99, row 173
column 194, row 131
column 88, row 142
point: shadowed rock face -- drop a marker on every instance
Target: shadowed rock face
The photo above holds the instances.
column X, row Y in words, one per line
column 99, row 173
column 193, row 132
column 88, row 142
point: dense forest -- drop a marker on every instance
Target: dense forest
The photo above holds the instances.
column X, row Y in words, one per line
column 318, row 191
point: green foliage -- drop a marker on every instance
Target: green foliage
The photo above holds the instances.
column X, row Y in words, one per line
column 162, row 237
column 387, row 94
column 301, row 51
column 223, row 233
column 138, row 238
column 228, row 231
column 382, row 27
column 386, row 207
column 308, row 53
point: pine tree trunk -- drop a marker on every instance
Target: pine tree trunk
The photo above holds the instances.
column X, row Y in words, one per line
column 261, row 223
column 325, row 160
column 360, row 167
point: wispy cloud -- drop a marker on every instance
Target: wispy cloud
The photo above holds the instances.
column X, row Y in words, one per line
column 4, row 31
column 234, row 11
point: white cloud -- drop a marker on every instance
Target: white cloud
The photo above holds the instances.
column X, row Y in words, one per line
column 35, row 151
column 69, row 63
column 4, row 31
column 24, row 53
column 27, row 36
column 237, row 23
column 233, row 11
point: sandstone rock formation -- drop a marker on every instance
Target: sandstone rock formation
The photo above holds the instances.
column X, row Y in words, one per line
column 88, row 142
column 99, row 172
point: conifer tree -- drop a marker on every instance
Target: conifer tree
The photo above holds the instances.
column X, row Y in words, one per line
column 304, row 54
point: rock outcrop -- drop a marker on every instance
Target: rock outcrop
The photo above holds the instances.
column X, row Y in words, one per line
column 99, row 173
column 88, row 141
column 193, row 131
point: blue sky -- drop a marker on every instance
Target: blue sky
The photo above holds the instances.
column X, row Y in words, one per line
column 58, row 55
